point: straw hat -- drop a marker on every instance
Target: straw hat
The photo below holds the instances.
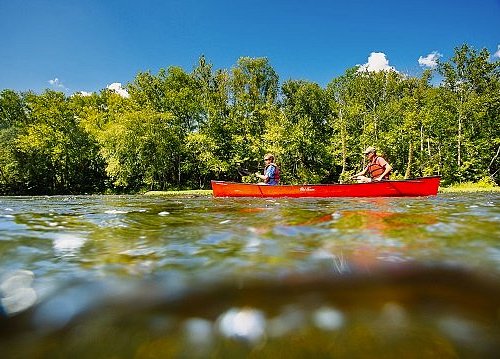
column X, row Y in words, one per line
column 369, row 149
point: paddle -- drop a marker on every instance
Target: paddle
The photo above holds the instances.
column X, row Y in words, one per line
column 243, row 171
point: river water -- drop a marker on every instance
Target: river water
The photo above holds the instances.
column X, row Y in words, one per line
column 151, row 276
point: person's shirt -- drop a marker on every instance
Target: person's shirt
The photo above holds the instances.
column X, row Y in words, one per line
column 270, row 172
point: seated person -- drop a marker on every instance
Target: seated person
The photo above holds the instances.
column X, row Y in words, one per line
column 378, row 169
column 271, row 174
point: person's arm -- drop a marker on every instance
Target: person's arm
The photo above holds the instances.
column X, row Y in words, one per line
column 265, row 177
column 360, row 173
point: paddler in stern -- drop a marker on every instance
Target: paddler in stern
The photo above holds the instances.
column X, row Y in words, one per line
column 378, row 168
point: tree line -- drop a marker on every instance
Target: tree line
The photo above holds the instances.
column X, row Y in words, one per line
column 179, row 130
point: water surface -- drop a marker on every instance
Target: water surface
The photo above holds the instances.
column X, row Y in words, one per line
column 146, row 276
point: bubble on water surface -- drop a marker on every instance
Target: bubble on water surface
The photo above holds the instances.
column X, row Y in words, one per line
column 392, row 259
column 16, row 292
column 16, row 279
column 328, row 318
column 115, row 211
column 322, row 253
column 253, row 243
column 67, row 244
column 243, row 324
column 138, row 252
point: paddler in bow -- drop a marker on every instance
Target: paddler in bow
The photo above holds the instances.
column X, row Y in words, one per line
column 271, row 173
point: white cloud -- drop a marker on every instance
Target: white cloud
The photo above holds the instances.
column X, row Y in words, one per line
column 497, row 54
column 117, row 87
column 57, row 83
column 430, row 60
column 376, row 62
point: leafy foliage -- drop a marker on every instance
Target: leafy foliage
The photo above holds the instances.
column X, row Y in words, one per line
column 179, row 130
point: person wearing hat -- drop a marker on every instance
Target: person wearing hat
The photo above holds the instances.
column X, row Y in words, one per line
column 378, row 169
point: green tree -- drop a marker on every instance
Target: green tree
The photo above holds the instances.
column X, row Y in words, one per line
column 201, row 160
column 53, row 152
column 253, row 93
column 471, row 84
column 364, row 105
column 346, row 120
column 171, row 91
column 305, row 132
column 13, row 118
column 141, row 150
column 212, row 146
column 180, row 129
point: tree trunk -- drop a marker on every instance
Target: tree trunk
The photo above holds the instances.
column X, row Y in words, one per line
column 492, row 161
column 459, row 140
column 178, row 170
column 344, row 144
column 440, row 161
column 410, row 161
column 421, row 139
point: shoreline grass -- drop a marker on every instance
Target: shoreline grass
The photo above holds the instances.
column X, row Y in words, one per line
column 468, row 188
column 184, row 193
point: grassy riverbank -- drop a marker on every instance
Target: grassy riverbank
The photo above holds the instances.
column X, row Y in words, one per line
column 469, row 188
column 186, row 193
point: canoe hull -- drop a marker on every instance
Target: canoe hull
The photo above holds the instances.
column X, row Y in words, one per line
column 424, row 186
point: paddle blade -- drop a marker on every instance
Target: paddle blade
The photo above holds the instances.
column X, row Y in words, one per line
column 243, row 171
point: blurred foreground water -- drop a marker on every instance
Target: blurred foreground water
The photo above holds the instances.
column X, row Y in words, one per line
column 147, row 277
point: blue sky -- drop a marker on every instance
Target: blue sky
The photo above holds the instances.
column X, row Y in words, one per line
column 87, row 45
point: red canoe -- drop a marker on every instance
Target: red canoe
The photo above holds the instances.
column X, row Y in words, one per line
column 424, row 186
